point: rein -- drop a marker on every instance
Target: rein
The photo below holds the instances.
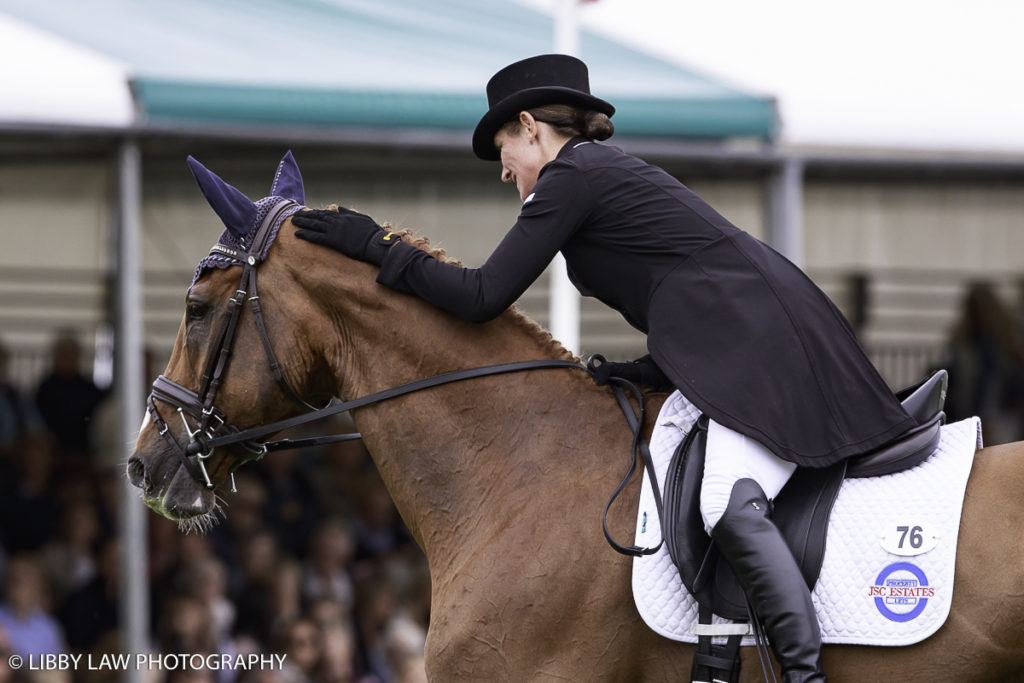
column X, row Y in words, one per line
column 214, row 431
column 202, row 445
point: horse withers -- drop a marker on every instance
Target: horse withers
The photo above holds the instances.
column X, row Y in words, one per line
column 502, row 479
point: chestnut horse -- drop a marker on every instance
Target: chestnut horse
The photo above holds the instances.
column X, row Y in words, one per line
column 502, row 481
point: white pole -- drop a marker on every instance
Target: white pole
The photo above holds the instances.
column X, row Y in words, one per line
column 134, row 609
column 567, row 33
column 785, row 210
column 564, row 304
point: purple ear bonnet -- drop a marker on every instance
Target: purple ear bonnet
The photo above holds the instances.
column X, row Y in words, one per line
column 235, row 210
column 240, row 215
column 288, row 180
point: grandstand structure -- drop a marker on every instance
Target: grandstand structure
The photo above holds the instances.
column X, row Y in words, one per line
column 891, row 235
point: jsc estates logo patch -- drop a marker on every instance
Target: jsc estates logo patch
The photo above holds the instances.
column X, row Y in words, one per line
column 901, row 592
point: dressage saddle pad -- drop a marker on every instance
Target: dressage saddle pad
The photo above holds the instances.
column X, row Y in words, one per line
column 887, row 574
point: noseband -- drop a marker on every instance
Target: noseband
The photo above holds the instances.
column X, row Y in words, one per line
column 200, row 405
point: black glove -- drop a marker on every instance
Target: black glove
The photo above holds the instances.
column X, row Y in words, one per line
column 354, row 234
column 642, row 371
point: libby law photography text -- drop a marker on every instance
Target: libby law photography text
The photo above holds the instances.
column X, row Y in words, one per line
column 149, row 662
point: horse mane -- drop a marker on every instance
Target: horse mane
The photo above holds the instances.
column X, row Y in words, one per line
column 543, row 338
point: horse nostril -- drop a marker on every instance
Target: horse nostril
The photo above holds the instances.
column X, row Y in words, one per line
column 136, row 472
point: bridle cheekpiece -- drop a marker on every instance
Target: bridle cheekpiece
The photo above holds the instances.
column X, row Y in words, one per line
column 199, row 405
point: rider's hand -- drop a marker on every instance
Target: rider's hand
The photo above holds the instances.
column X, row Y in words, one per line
column 641, row 371
column 354, row 234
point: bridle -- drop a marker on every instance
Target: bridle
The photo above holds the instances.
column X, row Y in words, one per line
column 200, row 405
column 214, row 431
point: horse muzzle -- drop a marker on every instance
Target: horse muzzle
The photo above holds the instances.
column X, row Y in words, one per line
column 168, row 488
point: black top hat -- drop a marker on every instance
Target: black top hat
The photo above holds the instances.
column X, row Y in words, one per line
column 533, row 82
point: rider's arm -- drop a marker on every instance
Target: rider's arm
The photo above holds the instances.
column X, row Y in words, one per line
column 558, row 206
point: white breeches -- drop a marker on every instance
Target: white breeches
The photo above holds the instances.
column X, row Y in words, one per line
column 730, row 457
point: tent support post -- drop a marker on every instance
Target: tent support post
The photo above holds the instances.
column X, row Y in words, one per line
column 134, row 600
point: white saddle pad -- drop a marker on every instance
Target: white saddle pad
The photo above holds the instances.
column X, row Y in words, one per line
column 887, row 575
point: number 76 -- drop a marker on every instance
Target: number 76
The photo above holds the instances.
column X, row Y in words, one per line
column 914, row 533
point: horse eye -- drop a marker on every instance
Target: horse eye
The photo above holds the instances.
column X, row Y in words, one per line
column 195, row 310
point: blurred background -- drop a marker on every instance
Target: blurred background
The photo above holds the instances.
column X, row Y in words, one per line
column 878, row 145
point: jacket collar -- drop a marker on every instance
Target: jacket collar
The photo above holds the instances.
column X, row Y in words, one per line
column 571, row 145
column 567, row 148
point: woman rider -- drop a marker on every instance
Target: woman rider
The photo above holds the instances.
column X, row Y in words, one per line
column 740, row 331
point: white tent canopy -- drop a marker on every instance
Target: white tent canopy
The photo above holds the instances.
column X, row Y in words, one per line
column 82, row 87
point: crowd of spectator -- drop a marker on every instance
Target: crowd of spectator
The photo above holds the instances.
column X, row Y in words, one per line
column 311, row 560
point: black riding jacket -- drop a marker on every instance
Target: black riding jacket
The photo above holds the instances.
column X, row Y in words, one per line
column 739, row 329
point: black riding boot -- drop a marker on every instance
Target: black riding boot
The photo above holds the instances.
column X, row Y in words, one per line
column 765, row 566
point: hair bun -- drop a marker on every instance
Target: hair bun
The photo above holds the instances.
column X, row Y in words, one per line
column 596, row 125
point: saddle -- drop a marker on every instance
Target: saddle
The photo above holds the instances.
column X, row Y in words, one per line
column 801, row 510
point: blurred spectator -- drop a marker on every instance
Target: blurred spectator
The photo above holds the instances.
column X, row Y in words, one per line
column 70, row 557
column 413, row 589
column 304, row 649
column 258, row 558
column 379, row 530
column 190, row 551
column 162, row 549
column 106, row 440
column 325, row 572
column 338, row 471
column 7, row 674
column 25, row 615
column 29, row 512
column 986, row 369
column 285, row 597
column 108, row 644
column 412, row 669
column 207, row 580
column 17, row 415
column 90, row 612
column 405, row 643
column 374, row 609
column 186, row 626
column 66, row 399
column 338, row 663
column 329, row 613
column 243, row 517
column 290, row 508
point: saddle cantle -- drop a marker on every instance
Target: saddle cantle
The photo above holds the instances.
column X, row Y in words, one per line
column 801, row 509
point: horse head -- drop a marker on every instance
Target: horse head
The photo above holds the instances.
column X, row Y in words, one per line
column 318, row 326
column 243, row 356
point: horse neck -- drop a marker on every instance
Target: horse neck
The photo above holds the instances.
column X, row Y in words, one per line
column 444, row 452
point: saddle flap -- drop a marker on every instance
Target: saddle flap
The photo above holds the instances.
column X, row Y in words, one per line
column 683, row 526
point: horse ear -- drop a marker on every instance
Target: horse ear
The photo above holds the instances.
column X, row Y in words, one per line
column 235, row 209
column 288, row 180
